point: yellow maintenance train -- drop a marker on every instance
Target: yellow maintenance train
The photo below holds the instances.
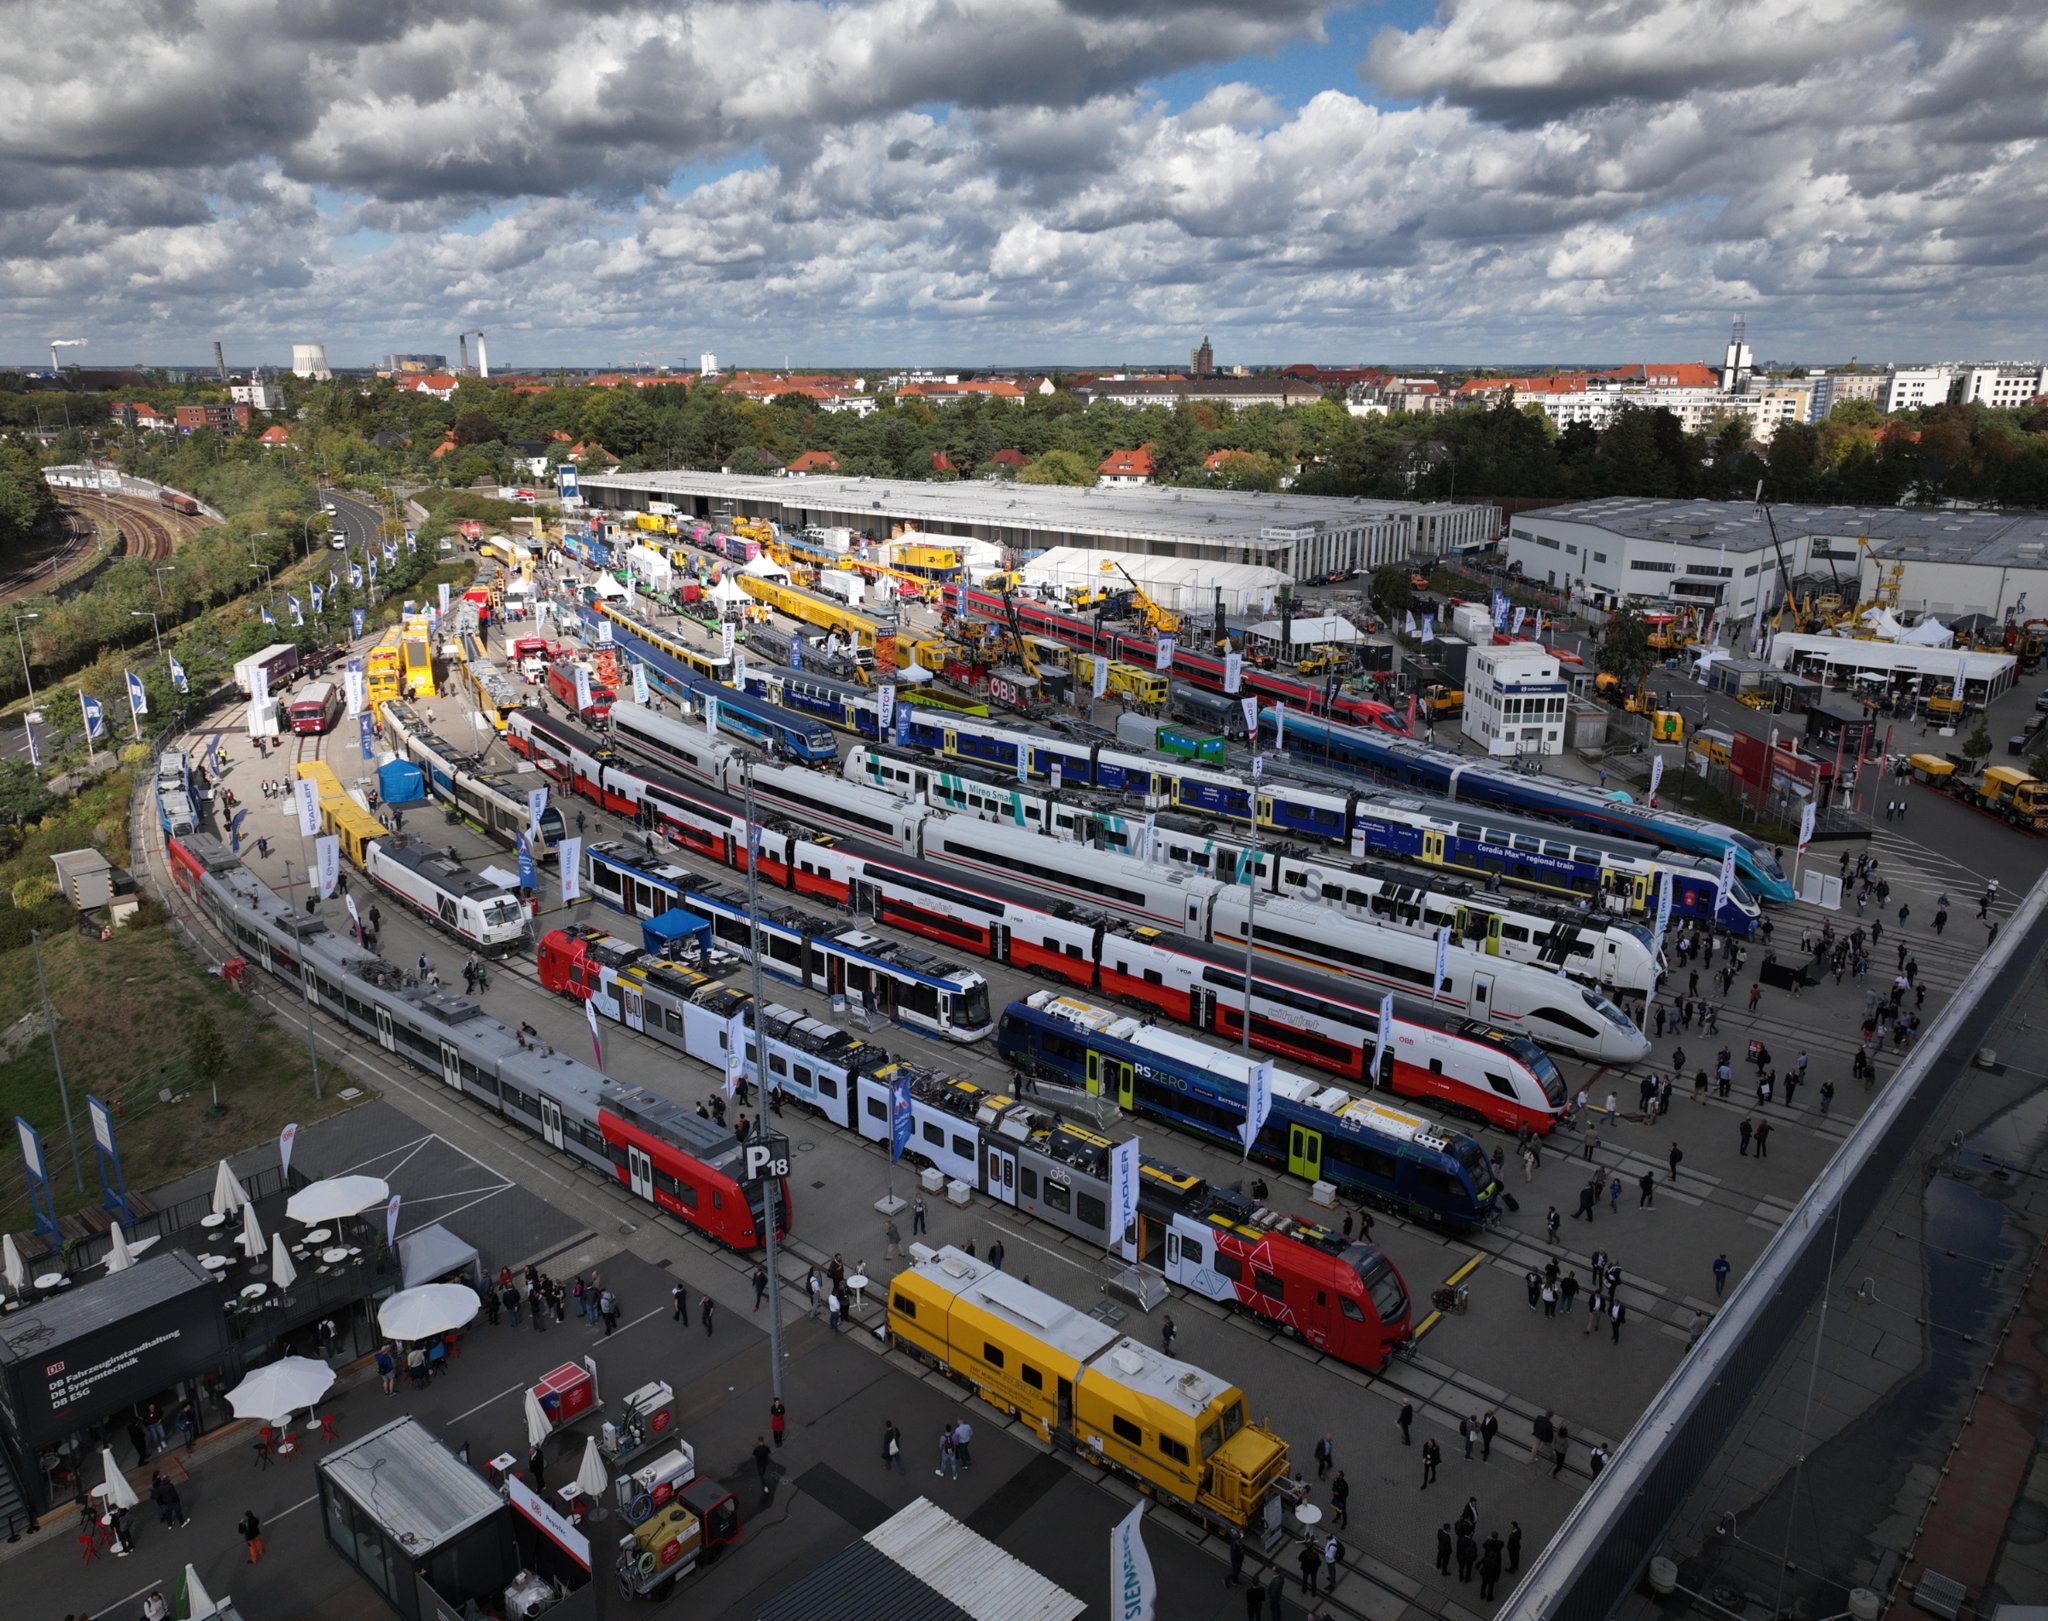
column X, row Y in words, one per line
column 1180, row 1434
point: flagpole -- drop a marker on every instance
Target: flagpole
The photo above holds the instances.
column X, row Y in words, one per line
column 769, row 1188
column 305, row 997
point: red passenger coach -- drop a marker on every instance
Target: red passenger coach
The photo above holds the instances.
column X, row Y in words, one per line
column 704, row 1193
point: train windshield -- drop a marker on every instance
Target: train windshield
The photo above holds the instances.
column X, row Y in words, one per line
column 501, row 913
column 1639, row 932
column 1382, row 1283
column 1472, row 1161
column 1541, row 1065
column 970, row 1008
column 1745, row 900
column 1607, row 1010
column 1762, row 854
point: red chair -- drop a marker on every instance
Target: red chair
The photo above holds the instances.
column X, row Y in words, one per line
column 287, row 1444
column 88, row 1549
column 327, row 1429
column 454, row 1344
column 266, row 1435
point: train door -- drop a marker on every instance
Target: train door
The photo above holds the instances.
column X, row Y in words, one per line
column 551, row 1122
column 1433, row 848
column 865, row 897
column 1002, row 1174
column 451, row 1065
column 1479, row 930
column 1065, row 1416
column 384, row 1037
column 999, row 942
column 632, row 1005
column 1106, row 1074
column 1126, row 1077
column 1482, row 996
column 639, row 1171
column 1305, row 1152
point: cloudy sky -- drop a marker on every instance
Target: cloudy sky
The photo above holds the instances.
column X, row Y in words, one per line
column 1007, row 181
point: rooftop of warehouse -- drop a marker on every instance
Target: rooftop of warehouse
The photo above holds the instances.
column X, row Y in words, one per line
column 1898, row 534
column 1137, row 510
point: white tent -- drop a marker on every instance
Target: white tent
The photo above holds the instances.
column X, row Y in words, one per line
column 432, row 1252
column 1183, row 584
column 1929, row 633
column 728, row 590
column 766, row 568
column 1309, row 631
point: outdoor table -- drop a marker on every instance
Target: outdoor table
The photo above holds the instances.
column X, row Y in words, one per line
column 857, row 1283
column 1307, row 1513
column 50, row 1280
column 255, row 1291
column 211, row 1222
column 319, row 1235
column 334, row 1257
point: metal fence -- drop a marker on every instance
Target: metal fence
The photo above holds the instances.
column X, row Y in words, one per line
column 1606, row 1543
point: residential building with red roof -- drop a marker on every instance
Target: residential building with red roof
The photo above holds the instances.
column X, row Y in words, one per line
column 274, row 438
column 814, row 461
column 1010, row 457
column 954, row 393
column 1126, row 469
column 438, row 384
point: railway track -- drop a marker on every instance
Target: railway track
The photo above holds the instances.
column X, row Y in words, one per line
column 77, row 554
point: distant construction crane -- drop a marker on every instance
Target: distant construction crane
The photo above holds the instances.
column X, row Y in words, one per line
column 62, row 343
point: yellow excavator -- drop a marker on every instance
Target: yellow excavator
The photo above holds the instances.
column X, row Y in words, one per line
column 1152, row 619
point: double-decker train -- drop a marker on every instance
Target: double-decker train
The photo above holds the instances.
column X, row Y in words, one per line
column 1181, row 1434
column 489, row 800
column 663, row 1153
column 1343, row 1297
column 1408, row 763
column 1328, row 1023
column 1317, row 1131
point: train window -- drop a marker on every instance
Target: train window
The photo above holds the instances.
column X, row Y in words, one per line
column 827, row 1087
column 1576, row 1026
column 1173, row 1449
column 1058, row 1196
column 1229, row 1266
column 1027, row 1182
column 934, row 1134
column 1031, row 1376
column 1267, row 1283
column 1093, row 1212
column 777, row 1064
column 1349, row 1308
column 1126, row 1430
column 1154, row 977
column 1436, row 1066
column 673, row 1020
column 964, row 1147
column 991, row 1354
column 876, row 1109
column 904, row 1306
column 1500, row 1084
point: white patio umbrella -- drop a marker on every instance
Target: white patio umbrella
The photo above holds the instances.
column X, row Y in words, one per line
column 118, row 1489
column 119, row 1257
column 228, row 1192
column 537, row 1425
column 431, row 1309
column 282, row 1273
column 590, row 1476
column 280, row 1387
column 17, row 1268
column 336, row 1197
column 252, row 1233
column 198, row 1603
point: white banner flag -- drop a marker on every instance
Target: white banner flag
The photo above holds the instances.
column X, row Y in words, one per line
column 1123, row 1190
column 259, row 686
column 710, row 717
column 1806, row 821
column 1656, row 776
column 1151, row 835
column 1258, row 766
column 639, row 682
column 444, row 599
column 327, row 859
column 727, row 637
column 1727, row 872
column 596, row 1040
column 1443, row 960
column 885, row 709
column 536, row 807
column 1279, row 727
column 352, row 688
column 1133, row 1591
column 1250, row 706
column 1382, row 1037
column 285, row 1139
column 1515, row 622
column 1539, row 625
column 735, row 1051
column 1233, row 671
column 570, row 859
column 739, row 668
column 1162, row 654
column 1098, row 676
column 582, row 688
column 1429, row 627
column 307, row 793
column 1663, row 903
column 1258, row 1103
column 1962, row 673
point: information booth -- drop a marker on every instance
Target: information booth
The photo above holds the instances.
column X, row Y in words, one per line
column 438, row 1543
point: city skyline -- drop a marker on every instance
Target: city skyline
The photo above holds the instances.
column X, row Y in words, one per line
column 953, row 183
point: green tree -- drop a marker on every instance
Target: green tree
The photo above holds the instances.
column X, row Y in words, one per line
column 1978, row 744
column 206, row 1054
column 1059, row 467
column 1392, row 589
column 477, row 428
column 22, row 795
column 1625, row 651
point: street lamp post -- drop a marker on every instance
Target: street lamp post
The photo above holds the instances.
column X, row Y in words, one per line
column 155, row 629
column 27, row 680
column 161, row 570
column 268, row 594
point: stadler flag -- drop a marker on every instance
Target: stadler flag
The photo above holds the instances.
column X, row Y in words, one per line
column 596, row 1040
column 569, row 860
column 1162, row 653
column 307, row 795
column 1727, row 872
column 1258, row 1102
column 1132, row 1590
column 138, row 700
column 1962, row 673
column 582, row 688
column 178, row 676
column 1250, row 706
column 536, row 807
column 1233, row 671
column 1380, row 1038
column 327, row 859
column 727, row 637
column 739, row 668
column 1806, row 820
column 444, row 599
column 710, row 716
column 885, row 707
column 1123, row 1190
column 1443, row 960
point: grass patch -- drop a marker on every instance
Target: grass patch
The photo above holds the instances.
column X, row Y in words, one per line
column 125, row 1011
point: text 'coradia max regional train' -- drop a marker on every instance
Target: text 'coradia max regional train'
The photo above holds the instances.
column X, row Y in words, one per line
column 1327, row 1023
column 1182, row 1435
column 664, row 1154
column 1340, row 1296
